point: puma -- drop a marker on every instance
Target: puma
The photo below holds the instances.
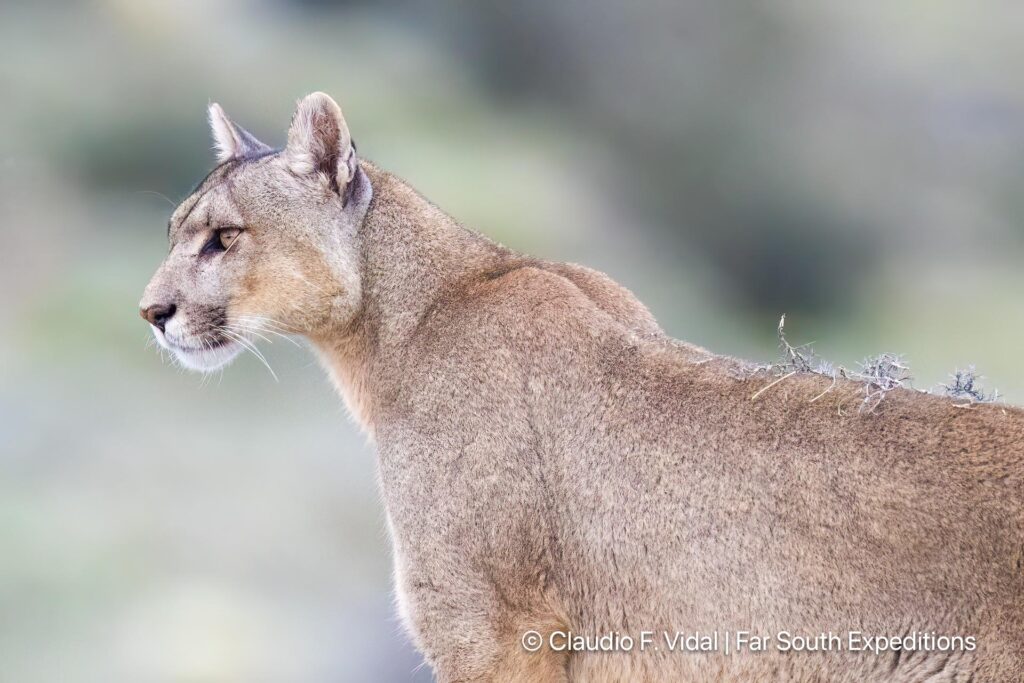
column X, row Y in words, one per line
column 554, row 466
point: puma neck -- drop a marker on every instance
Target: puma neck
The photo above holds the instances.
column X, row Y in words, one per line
column 412, row 254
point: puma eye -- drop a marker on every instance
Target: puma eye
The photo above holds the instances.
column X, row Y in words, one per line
column 221, row 240
column 227, row 237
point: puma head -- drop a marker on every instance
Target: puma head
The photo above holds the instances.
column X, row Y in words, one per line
column 266, row 242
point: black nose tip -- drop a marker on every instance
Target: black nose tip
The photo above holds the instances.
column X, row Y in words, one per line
column 158, row 314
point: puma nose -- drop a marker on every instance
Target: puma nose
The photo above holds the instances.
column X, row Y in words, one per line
column 158, row 314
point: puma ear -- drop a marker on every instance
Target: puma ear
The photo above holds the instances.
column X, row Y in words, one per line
column 319, row 143
column 231, row 141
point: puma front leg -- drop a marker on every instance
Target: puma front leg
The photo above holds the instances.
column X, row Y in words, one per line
column 467, row 633
column 472, row 566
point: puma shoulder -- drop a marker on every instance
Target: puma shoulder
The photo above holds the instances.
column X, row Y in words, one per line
column 527, row 283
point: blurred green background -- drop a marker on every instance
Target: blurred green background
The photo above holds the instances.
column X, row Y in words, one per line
column 857, row 166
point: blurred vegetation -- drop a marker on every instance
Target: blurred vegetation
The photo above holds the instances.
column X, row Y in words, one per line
column 854, row 166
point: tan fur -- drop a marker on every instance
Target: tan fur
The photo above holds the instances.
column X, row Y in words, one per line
column 550, row 460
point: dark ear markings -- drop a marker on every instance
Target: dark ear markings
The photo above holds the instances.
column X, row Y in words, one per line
column 353, row 177
column 350, row 189
column 329, row 167
column 231, row 141
column 252, row 146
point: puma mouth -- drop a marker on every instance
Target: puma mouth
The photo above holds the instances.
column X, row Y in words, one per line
column 211, row 355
